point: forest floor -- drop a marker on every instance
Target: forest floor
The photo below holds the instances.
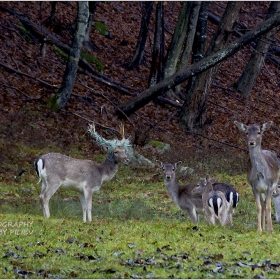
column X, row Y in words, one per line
column 29, row 128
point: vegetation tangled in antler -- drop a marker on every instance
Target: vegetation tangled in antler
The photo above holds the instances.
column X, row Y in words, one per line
column 135, row 158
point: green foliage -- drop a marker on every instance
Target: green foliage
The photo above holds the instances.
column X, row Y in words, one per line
column 101, row 27
column 92, row 59
column 59, row 52
column 25, row 33
column 53, row 102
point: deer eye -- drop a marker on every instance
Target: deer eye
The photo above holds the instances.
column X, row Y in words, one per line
column 173, row 169
column 116, row 152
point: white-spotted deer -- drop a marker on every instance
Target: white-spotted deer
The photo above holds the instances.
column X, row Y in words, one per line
column 215, row 205
column 262, row 172
column 84, row 176
column 183, row 197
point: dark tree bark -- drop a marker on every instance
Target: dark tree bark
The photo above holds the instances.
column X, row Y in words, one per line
column 143, row 33
column 194, row 106
column 52, row 16
column 246, row 81
column 206, row 63
column 92, row 7
column 189, row 42
column 175, row 47
column 61, row 98
column 198, row 47
column 158, row 48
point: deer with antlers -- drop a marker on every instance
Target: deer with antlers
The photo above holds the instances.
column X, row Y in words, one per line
column 83, row 176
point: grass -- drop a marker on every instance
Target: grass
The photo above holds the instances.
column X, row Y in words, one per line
column 137, row 232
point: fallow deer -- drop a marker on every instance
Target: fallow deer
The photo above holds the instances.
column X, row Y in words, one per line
column 215, row 205
column 262, row 171
column 182, row 194
column 84, row 176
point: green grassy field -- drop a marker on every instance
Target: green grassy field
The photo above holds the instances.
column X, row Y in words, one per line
column 137, row 232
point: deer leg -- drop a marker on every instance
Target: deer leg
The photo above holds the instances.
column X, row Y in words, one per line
column 84, row 206
column 212, row 220
column 223, row 217
column 193, row 215
column 210, row 216
column 263, row 204
column 192, row 212
column 268, row 211
column 229, row 219
column 48, row 189
column 259, row 211
column 88, row 202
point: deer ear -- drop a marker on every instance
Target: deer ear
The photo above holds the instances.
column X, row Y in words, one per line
column 266, row 125
column 160, row 164
column 177, row 164
column 213, row 180
column 241, row 126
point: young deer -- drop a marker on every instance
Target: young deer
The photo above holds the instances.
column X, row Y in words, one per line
column 183, row 197
column 181, row 194
column 262, row 172
column 231, row 195
column 215, row 205
column 84, row 176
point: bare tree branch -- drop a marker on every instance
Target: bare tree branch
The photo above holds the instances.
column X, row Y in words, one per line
column 27, row 75
column 206, row 63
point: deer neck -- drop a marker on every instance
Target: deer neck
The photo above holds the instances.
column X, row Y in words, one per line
column 108, row 169
column 208, row 188
column 173, row 189
column 257, row 159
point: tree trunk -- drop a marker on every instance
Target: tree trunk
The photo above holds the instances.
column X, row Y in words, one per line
column 52, row 16
column 157, row 54
column 192, row 26
column 206, row 63
column 199, row 47
column 61, row 98
column 142, row 37
column 194, row 106
column 246, row 81
column 176, row 44
column 92, row 7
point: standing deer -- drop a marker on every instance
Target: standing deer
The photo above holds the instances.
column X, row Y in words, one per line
column 84, row 176
column 215, row 205
column 230, row 193
column 181, row 194
column 183, row 197
column 262, row 172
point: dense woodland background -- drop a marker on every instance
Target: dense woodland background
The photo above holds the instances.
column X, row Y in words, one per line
column 29, row 79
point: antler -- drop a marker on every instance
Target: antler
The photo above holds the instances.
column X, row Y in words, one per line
column 93, row 126
column 122, row 130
